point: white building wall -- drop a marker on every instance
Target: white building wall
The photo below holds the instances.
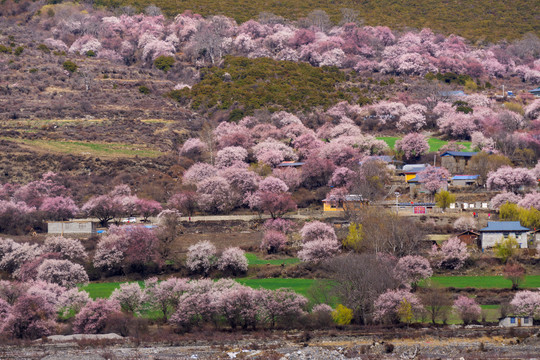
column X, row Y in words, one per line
column 72, row 227
column 507, row 322
column 490, row 238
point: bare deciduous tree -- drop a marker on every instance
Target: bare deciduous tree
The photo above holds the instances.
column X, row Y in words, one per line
column 360, row 279
column 437, row 303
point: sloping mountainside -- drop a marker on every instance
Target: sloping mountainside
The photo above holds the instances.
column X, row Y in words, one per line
column 490, row 20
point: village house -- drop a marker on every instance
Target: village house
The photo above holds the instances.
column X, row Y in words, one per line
column 465, row 180
column 535, row 91
column 349, row 202
column 410, row 171
column 516, row 321
column 456, row 161
column 498, row 230
column 72, row 227
column 291, row 164
column 416, row 208
column 470, row 237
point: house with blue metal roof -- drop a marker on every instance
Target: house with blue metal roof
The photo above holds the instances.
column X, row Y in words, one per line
column 496, row 231
column 465, row 180
column 535, row 91
column 456, row 161
column 291, row 164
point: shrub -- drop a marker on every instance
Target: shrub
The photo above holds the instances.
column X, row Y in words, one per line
column 90, row 53
column 342, row 315
column 164, row 63
column 44, row 48
column 18, row 50
column 4, row 49
column 70, row 66
column 144, row 90
column 506, row 248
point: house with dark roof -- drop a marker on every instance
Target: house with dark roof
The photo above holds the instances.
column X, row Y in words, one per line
column 465, row 180
column 496, row 231
column 456, row 161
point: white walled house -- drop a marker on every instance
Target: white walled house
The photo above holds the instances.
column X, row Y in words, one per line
column 516, row 321
column 72, row 227
column 497, row 230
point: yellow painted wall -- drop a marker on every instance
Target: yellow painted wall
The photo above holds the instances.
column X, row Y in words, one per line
column 409, row 177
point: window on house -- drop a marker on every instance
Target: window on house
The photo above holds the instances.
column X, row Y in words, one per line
column 505, row 234
column 525, row 320
column 512, row 320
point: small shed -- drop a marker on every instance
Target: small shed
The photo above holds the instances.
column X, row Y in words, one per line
column 471, row 238
column 465, row 180
column 497, row 230
column 456, row 161
column 516, row 321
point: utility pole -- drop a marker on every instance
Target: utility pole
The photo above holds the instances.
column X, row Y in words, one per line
column 397, row 205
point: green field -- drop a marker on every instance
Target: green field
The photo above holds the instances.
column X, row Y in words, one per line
column 253, row 259
column 103, row 290
column 301, row 286
column 484, row 282
column 434, row 143
column 88, row 148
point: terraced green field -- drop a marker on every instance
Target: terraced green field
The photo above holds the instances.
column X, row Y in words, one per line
column 484, row 282
column 434, row 143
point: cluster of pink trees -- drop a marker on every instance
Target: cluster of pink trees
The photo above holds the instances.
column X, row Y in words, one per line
column 48, row 198
column 127, row 248
column 44, row 198
column 206, row 41
column 205, row 301
column 118, row 203
column 31, row 310
column 57, row 261
column 202, row 258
